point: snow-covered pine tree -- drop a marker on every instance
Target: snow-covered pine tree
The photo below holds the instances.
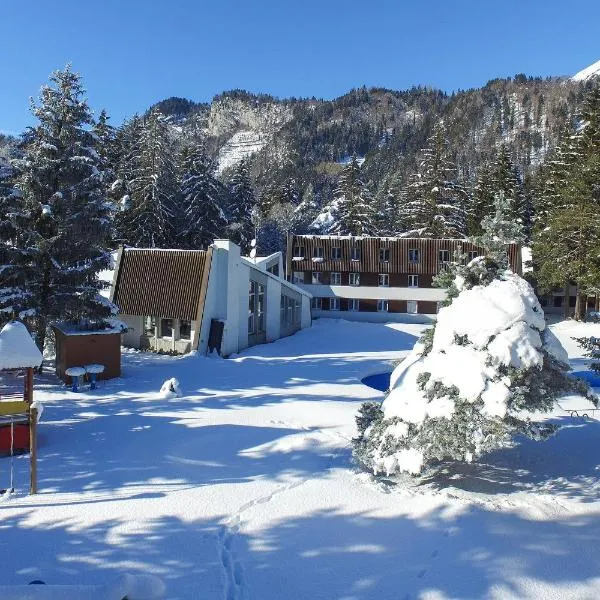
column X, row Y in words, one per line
column 201, row 197
column 467, row 387
column 62, row 227
column 436, row 202
column 151, row 212
column 390, row 202
column 353, row 206
column 241, row 204
column 567, row 238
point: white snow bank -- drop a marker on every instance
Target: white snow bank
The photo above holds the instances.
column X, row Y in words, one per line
column 17, row 348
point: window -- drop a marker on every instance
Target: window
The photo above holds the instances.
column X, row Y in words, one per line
column 318, row 253
column 444, row 256
column 149, row 326
column 298, row 277
column 353, row 304
column 334, row 304
column 383, row 280
column 355, row 253
column 384, row 255
column 317, row 303
column 472, row 254
column 413, row 281
column 414, row 255
column 411, row 307
column 317, row 278
column 336, row 253
column 382, row 305
column 558, row 301
column 336, row 279
column 289, row 311
column 166, row 328
column 274, row 270
column 256, row 308
column 298, row 252
column 354, row 279
column 185, row 330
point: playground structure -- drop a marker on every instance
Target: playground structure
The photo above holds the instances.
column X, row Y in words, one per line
column 18, row 412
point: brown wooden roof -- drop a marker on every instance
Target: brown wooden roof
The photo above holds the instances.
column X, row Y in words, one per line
column 369, row 254
column 160, row 283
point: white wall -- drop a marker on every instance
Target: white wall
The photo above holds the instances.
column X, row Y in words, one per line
column 373, row 317
column 376, row 293
column 227, row 299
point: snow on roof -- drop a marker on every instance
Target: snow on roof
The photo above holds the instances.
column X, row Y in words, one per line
column 17, row 348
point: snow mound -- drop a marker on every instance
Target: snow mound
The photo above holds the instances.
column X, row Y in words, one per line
column 170, row 389
column 17, row 348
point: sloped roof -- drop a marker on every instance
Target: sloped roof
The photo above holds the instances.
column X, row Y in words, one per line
column 160, row 283
column 17, row 348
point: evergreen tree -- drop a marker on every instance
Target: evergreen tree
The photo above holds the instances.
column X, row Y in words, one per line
column 241, row 204
column 567, row 241
column 465, row 390
column 201, row 194
column 150, row 214
column 62, row 223
column 354, row 211
column 436, row 202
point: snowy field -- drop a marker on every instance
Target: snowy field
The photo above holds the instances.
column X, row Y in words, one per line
column 243, row 488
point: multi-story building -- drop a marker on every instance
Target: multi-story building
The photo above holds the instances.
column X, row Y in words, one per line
column 375, row 278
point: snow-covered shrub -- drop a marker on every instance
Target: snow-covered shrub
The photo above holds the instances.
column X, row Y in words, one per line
column 466, row 388
column 472, row 380
column 170, row 389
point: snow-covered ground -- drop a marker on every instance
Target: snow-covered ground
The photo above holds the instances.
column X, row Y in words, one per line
column 243, row 487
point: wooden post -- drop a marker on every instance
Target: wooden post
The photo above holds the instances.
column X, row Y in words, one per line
column 28, row 389
column 33, row 414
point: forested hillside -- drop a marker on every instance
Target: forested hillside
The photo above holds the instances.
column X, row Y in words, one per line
column 372, row 162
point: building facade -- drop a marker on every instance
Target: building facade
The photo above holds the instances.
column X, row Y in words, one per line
column 372, row 278
column 179, row 301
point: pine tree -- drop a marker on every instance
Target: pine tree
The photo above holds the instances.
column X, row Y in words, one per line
column 201, row 195
column 436, row 203
column 150, row 215
column 567, row 240
column 241, row 204
column 62, row 225
column 354, row 213
column 467, row 388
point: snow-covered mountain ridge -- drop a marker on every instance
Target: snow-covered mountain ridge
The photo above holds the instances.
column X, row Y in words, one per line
column 585, row 74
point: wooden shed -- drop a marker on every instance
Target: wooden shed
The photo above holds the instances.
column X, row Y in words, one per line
column 79, row 347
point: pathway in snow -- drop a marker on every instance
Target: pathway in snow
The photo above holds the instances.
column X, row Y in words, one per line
column 243, row 488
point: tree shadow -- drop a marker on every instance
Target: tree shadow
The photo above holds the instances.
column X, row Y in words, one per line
column 567, row 465
column 329, row 554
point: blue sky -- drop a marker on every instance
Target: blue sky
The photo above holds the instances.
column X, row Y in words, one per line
column 132, row 53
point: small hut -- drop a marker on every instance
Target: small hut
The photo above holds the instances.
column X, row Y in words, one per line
column 18, row 415
column 78, row 347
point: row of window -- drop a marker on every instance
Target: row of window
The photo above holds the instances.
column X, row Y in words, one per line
column 414, row 254
column 354, row 305
column 165, row 328
column 383, row 279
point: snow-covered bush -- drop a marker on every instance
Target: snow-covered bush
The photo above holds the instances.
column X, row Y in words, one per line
column 170, row 389
column 470, row 383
